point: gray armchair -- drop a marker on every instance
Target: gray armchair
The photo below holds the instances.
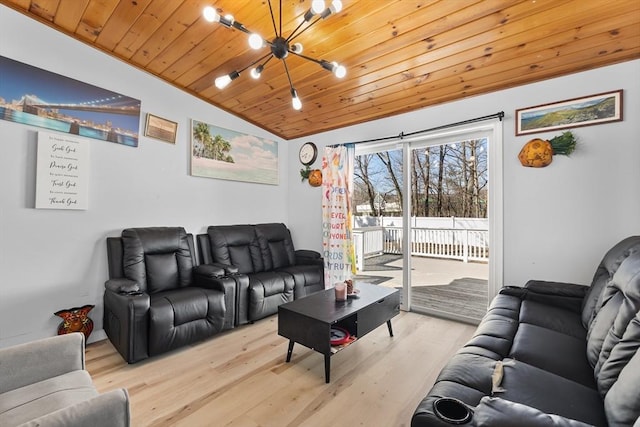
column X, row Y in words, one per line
column 44, row 383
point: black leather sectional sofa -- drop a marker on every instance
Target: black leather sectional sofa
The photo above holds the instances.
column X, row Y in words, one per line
column 262, row 260
column 550, row 354
column 159, row 298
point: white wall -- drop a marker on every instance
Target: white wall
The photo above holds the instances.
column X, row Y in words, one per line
column 558, row 220
column 49, row 259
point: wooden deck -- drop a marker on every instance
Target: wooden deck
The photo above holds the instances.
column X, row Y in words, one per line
column 464, row 299
column 443, row 288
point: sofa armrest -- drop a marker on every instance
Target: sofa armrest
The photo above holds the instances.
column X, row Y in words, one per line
column 557, row 288
column 46, row 358
column 122, row 286
column 210, row 276
column 306, row 256
column 126, row 320
column 213, row 276
column 496, row 412
column 568, row 296
column 208, row 271
column 216, row 269
column 105, row 410
column 307, row 253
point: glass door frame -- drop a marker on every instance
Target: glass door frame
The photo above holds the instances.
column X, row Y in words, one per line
column 493, row 131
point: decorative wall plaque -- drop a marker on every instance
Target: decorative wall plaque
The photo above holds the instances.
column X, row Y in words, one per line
column 62, row 172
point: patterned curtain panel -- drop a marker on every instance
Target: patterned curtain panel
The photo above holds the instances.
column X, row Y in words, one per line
column 337, row 187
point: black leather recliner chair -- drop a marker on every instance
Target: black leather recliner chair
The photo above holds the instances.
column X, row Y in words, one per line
column 306, row 266
column 157, row 299
column 267, row 269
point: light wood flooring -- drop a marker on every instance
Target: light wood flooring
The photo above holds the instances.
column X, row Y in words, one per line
column 240, row 377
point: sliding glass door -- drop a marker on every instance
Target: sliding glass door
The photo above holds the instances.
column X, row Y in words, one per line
column 427, row 217
column 449, row 229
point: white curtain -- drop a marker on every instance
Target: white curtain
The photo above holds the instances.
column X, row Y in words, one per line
column 337, row 189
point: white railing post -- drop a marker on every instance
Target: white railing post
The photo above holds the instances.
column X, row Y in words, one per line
column 465, row 249
column 359, row 246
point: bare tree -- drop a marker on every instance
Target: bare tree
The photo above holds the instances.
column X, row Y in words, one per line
column 439, row 189
column 446, row 180
column 386, row 159
column 421, row 183
column 362, row 175
column 416, row 171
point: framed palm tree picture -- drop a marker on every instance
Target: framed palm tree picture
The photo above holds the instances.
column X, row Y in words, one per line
column 222, row 153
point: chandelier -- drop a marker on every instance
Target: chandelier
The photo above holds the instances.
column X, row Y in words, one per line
column 280, row 47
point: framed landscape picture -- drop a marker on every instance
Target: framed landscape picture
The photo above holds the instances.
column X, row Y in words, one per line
column 162, row 129
column 571, row 113
column 226, row 154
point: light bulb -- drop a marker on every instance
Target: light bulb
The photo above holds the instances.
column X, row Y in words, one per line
column 255, row 72
column 295, row 101
column 297, row 48
column 223, row 81
column 255, row 41
column 317, row 6
column 336, row 6
column 297, row 104
column 210, row 14
column 339, row 70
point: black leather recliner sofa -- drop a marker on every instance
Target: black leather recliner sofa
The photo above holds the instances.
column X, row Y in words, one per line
column 267, row 269
column 550, row 354
column 157, row 299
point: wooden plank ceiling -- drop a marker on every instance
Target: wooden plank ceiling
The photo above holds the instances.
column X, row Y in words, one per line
column 401, row 55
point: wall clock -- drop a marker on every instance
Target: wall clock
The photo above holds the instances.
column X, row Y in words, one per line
column 308, row 153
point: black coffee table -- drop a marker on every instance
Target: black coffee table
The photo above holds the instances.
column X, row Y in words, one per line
column 308, row 320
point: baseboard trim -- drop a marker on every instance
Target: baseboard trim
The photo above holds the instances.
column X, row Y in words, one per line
column 98, row 335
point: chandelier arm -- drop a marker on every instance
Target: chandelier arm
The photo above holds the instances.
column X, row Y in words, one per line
column 280, row 33
column 286, row 69
column 308, row 58
column 294, row 31
column 268, row 59
column 255, row 62
column 333, row 67
column 238, row 26
column 294, row 35
column 273, row 19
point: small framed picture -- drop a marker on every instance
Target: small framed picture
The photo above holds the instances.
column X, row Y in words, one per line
column 571, row 113
column 159, row 128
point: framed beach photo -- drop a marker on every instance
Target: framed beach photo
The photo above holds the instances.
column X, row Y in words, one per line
column 159, row 128
column 222, row 153
column 571, row 113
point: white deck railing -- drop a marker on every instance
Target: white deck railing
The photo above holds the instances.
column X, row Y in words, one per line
column 369, row 241
column 462, row 244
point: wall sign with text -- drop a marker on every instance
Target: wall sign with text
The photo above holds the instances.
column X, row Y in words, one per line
column 62, row 180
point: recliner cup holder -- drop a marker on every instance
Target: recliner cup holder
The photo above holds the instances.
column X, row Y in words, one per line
column 452, row 411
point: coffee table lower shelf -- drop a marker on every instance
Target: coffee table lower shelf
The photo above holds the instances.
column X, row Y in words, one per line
column 308, row 321
column 327, row 356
